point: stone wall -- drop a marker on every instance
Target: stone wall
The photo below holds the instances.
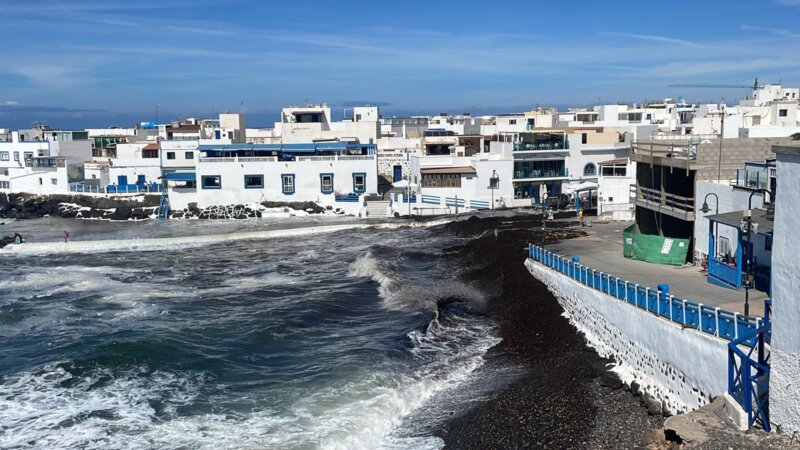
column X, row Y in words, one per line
column 680, row 367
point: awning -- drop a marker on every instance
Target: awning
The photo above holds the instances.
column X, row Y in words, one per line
column 579, row 187
column 440, row 170
column 764, row 219
column 180, row 176
column 152, row 146
column 299, row 148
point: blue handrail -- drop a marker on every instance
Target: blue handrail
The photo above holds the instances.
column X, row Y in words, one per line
column 748, row 378
column 707, row 319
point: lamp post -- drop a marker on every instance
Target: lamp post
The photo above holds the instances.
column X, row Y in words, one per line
column 705, row 209
column 494, row 183
column 748, row 225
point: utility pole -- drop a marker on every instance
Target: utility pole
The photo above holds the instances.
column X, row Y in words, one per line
column 721, row 136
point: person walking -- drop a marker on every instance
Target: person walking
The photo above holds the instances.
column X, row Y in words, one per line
column 66, row 236
column 580, row 217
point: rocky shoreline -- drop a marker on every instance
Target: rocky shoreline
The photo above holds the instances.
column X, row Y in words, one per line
column 140, row 207
column 566, row 397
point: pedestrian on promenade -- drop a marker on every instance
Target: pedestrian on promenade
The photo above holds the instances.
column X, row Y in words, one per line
column 66, row 236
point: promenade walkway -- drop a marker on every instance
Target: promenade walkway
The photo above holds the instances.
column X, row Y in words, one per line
column 602, row 250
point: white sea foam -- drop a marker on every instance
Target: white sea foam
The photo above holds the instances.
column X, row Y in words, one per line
column 53, row 408
column 404, row 296
column 182, row 242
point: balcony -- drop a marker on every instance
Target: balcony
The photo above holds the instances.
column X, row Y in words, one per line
column 538, row 174
column 537, row 146
column 752, row 178
column 665, row 203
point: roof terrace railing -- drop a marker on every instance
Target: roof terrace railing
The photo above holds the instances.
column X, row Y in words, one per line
column 726, row 325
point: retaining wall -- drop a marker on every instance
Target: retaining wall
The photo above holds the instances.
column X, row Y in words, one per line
column 680, row 366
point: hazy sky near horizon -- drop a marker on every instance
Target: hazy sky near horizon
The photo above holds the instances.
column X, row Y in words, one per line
column 94, row 63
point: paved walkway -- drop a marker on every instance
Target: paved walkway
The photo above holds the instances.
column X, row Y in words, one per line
column 602, row 250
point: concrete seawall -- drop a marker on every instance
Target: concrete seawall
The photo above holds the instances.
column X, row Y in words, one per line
column 679, row 366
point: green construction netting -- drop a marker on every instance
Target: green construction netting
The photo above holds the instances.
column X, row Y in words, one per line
column 654, row 249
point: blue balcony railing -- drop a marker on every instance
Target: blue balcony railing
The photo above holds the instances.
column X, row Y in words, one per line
column 724, row 324
column 725, row 273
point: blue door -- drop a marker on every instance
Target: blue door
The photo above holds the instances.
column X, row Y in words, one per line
column 122, row 180
column 140, row 181
column 398, row 174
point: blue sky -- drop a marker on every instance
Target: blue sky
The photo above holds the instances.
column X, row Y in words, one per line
column 82, row 63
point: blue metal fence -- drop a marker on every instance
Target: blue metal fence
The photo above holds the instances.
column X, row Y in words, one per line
column 659, row 302
column 748, row 376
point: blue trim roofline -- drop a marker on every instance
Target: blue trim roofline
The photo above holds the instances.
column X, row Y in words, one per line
column 271, row 149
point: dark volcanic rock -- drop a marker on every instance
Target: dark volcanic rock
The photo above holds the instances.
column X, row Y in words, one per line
column 6, row 240
column 27, row 206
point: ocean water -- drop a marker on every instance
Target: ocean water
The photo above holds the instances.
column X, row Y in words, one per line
column 320, row 340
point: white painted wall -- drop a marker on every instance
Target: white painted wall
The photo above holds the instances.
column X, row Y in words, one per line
column 683, row 368
column 784, row 385
column 729, row 200
column 307, row 181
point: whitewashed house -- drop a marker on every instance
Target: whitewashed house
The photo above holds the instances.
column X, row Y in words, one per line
column 614, row 182
column 335, row 174
column 42, row 165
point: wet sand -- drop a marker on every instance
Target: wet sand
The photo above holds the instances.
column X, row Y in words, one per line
column 565, row 398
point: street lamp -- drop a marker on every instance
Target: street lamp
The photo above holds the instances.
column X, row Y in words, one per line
column 748, row 225
column 494, row 183
column 705, row 207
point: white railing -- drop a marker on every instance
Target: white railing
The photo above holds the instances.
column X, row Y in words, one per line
column 258, row 159
column 216, row 160
column 354, row 158
column 316, row 158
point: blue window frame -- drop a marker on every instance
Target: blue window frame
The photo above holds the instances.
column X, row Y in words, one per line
column 211, row 182
column 253, row 181
column 287, row 183
column 359, row 182
column 326, row 183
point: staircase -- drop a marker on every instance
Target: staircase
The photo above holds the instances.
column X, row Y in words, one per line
column 163, row 206
column 376, row 209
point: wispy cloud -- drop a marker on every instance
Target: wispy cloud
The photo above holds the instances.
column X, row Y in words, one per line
column 652, row 38
column 773, row 31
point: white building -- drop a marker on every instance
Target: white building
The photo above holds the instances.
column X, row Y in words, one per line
column 784, row 390
column 334, row 174
column 314, row 123
column 614, row 181
column 460, row 180
column 40, row 166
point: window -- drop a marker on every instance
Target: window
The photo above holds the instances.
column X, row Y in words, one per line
column 358, row 117
column 149, row 153
column 54, row 181
column 170, row 155
column 287, row 184
column 326, row 183
column 756, row 120
column 512, row 121
column 253, row 181
column 16, row 156
column 359, row 182
column 783, row 113
column 441, row 180
column 3, row 156
column 589, row 170
column 615, row 171
column 211, row 182
column 189, row 155
column 28, row 156
column 584, row 138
